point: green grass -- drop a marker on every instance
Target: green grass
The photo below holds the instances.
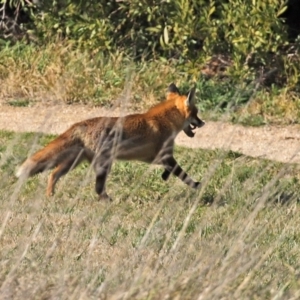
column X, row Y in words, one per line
column 236, row 238
column 19, row 103
column 60, row 74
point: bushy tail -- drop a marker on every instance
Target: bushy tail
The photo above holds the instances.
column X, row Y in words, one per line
column 50, row 156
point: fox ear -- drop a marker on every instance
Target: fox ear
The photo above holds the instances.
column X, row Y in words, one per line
column 173, row 89
column 190, row 97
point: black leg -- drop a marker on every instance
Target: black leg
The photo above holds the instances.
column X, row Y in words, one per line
column 165, row 175
column 171, row 166
column 102, row 165
column 100, row 181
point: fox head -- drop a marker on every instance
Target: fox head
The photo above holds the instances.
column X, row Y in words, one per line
column 186, row 105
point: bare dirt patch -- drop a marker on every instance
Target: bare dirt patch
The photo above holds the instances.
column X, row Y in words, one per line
column 279, row 143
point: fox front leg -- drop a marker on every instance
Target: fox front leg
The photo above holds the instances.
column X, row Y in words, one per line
column 101, row 176
column 102, row 166
column 172, row 167
column 165, row 175
column 100, row 187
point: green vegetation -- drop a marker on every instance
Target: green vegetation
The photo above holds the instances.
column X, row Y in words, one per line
column 237, row 236
column 102, row 52
column 151, row 28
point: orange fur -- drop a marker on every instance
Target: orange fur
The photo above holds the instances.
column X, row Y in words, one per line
column 147, row 137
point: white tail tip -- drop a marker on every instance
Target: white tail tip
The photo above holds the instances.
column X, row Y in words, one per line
column 24, row 170
column 20, row 172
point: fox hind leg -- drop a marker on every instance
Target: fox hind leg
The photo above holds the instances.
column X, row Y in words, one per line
column 73, row 158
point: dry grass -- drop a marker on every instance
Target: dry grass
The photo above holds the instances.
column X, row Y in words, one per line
column 59, row 73
column 271, row 108
column 236, row 238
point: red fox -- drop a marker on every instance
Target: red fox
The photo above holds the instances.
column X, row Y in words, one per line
column 147, row 137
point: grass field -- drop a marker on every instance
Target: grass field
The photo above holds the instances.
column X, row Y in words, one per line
column 57, row 73
column 235, row 238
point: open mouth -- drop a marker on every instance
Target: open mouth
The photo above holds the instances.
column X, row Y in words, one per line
column 190, row 128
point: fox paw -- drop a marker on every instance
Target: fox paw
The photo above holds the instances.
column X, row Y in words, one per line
column 104, row 197
column 49, row 193
column 197, row 185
